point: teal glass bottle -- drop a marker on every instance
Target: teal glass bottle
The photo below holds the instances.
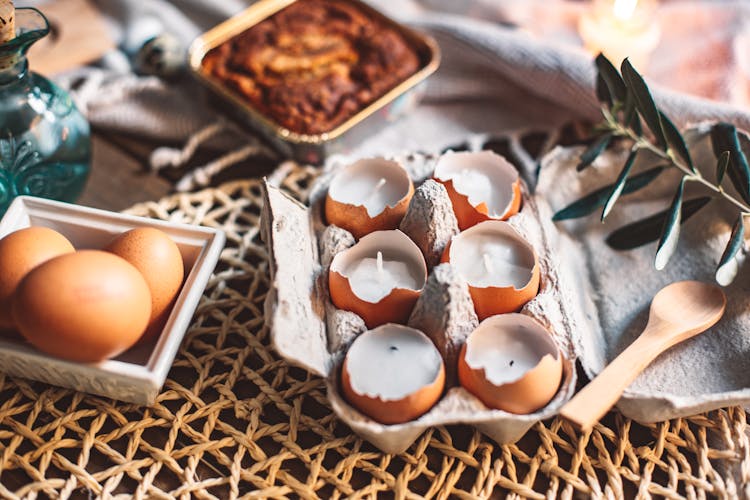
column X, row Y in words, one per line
column 45, row 142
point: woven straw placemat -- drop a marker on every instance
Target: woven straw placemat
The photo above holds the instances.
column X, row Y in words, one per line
column 234, row 420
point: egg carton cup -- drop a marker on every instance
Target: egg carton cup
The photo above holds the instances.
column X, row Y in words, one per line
column 308, row 331
column 137, row 375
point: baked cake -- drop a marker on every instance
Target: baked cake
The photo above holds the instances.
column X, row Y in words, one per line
column 314, row 64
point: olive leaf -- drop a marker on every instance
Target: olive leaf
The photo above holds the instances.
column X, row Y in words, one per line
column 619, row 184
column 643, row 101
column 670, row 232
column 596, row 199
column 635, row 124
column 588, row 156
column 602, row 91
column 724, row 138
column 611, row 77
column 721, row 167
column 675, row 140
column 647, row 230
column 728, row 264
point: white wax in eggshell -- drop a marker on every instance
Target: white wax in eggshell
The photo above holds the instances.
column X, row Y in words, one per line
column 372, row 280
column 485, row 258
column 373, row 183
column 483, row 177
column 507, row 347
column 391, row 362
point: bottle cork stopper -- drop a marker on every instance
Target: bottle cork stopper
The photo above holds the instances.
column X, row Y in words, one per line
column 7, row 21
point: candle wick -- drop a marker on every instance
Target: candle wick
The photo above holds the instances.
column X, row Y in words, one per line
column 487, row 263
column 379, row 185
column 379, row 262
column 377, row 188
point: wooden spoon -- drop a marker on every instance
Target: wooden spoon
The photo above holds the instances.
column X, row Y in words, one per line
column 679, row 311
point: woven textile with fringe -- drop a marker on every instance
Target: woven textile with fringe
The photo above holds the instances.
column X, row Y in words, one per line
column 235, row 421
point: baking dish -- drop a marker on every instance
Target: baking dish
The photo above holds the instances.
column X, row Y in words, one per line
column 313, row 148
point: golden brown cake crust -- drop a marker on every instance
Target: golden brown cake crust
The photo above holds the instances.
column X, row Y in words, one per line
column 314, row 64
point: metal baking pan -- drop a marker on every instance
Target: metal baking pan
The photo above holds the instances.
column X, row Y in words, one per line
column 313, row 148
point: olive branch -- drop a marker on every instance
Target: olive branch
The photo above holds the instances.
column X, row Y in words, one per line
column 627, row 105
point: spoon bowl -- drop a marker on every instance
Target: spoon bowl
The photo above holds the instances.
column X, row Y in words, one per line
column 689, row 307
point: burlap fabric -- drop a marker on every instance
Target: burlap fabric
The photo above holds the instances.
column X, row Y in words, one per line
column 235, row 421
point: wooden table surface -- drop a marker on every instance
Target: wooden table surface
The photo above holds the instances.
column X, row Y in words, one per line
column 119, row 177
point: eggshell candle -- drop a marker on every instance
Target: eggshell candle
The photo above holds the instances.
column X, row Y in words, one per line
column 380, row 278
column 500, row 267
column 393, row 374
column 511, row 363
column 481, row 185
column 369, row 195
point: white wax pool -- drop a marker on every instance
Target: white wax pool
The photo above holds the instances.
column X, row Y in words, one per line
column 483, row 177
column 391, row 362
column 490, row 254
column 374, row 183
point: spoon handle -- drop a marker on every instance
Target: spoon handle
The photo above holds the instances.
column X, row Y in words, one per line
column 601, row 394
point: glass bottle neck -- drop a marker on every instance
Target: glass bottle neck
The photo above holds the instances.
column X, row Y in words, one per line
column 13, row 69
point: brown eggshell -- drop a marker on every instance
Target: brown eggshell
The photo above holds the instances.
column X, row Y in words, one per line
column 398, row 304
column 492, row 300
column 400, row 410
column 469, row 214
column 394, row 308
column 20, row 252
column 355, row 218
column 159, row 260
column 85, row 306
column 530, row 392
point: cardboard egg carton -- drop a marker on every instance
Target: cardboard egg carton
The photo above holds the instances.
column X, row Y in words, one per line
column 308, row 331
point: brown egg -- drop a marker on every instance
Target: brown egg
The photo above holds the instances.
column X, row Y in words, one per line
column 481, row 185
column 500, row 267
column 380, row 278
column 85, row 306
column 159, row 260
column 20, row 252
column 393, row 374
column 369, row 195
column 511, row 363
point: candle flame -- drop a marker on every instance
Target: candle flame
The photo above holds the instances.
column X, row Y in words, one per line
column 624, row 9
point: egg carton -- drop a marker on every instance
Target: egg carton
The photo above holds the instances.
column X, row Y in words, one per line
column 309, row 331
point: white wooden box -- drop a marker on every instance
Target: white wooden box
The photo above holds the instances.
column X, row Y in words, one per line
column 137, row 375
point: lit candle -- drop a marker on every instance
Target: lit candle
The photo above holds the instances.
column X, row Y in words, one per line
column 482, row 186
column 510, row 362
column 499, row 266
column 379, row 278
column 393, row 374
column 620, row 29
column 369, row 195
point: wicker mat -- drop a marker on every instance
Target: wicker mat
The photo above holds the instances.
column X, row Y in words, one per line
column 234, row 420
